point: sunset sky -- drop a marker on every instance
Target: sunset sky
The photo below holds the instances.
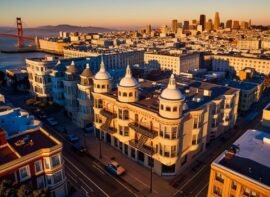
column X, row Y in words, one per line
column 128, row 13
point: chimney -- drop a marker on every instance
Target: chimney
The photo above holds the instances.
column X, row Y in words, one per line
column 2, row 137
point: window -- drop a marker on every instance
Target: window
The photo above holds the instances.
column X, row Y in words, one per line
column 174, row 109
column 130, row 94
column 219, row 177
column 49, row 179
column 249, row 193
column 24, row 173
column 40, row 182
column 197, row 122
column 161, row 107
column 234, row 185
column 217, row 191
column 38, row 166
column 174, row 132
column 57, row 177
column 55, row 161
column 168, row 109
column 194, row 139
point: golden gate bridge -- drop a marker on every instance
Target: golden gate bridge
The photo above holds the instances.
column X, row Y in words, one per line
column 20, row 37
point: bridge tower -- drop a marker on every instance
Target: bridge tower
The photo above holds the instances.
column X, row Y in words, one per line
column 19, row 32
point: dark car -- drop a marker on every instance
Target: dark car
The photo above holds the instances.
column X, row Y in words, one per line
column 73, row 138
column 77, row 147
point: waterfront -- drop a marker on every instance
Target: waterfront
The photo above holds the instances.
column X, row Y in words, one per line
column 14, row 60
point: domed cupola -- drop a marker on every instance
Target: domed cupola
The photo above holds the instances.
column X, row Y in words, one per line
column 171, row 101
column 86, row 76
column 102, row 74
column 128, row 88
column 128, row 80
column 102, row 80
column 72, row 72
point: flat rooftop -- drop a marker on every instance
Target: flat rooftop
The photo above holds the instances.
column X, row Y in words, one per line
column 25, row 143
column 253, row 158
column 196, row 93
column 35, row 141
column 242, row 85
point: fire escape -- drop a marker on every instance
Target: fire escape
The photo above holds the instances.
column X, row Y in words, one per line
column 145, row 134
column 106, row 126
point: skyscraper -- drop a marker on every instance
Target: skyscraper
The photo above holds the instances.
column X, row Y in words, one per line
column 236, row 25
column 186, row 25
column 229, row 23
column 174, row 25
column 216, row 21
column 148, row 29
column 202, row 21
column 209, row 25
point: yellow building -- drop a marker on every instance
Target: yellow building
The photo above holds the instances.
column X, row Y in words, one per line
column 177, row 63
column 52, row 46
column 244, row 169
column 165, row 124
column 266, row 116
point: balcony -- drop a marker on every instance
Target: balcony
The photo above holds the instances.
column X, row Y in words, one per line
column 139, row 144
column 106, row 126
column 143, row 130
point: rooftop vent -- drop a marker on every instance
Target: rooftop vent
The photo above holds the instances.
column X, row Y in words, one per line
column 230, row 153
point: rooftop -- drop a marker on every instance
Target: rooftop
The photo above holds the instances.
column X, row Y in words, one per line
column 25, row 143
column 242, row 85
column 196, row 93
column 253, row 158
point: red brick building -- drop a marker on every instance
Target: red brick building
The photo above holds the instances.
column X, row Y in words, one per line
column 33, row 157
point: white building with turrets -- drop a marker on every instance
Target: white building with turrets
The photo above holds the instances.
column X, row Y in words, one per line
column 164, row 124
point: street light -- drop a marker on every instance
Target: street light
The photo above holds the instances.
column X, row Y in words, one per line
column 152, row 162
column 100, row 153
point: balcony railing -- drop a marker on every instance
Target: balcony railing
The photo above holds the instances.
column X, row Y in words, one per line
column 143, row 130
column 141, row 146
column 106, row 126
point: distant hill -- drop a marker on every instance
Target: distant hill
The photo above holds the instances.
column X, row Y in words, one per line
column 50, row 30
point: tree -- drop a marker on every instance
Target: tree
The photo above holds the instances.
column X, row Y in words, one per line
column 25, row 191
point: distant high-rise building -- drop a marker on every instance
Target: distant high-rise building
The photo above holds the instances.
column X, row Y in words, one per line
column 194, row 22
column 186, row 25
column 229, row 24
column 244, row 25
column 202, row 21
column 236, row 25
column 174, row 25
column 249, row 24
column 180, row 25
column 209, row 25
column 216, row 21
column 148, row 29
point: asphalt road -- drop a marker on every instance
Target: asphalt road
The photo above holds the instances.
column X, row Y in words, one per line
column 86, row 174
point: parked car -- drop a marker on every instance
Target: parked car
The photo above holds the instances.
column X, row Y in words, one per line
column 42, row 115
column 73, row 138
column 52, row 121
column 89, row 128
column 115, row 168
column 77, row 147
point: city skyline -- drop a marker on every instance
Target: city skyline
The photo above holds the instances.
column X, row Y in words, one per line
column 131, row 14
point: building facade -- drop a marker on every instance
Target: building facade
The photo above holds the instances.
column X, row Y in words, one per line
column 238, row 63
column 158, row 127
column 33, row 157
column 176, row 63
column 242, row 170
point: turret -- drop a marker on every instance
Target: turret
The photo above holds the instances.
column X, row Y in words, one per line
column 171, row 101
column 102, row 80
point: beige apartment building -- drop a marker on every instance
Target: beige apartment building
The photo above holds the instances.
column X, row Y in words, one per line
column 243, row 170
column 249, row 44
column 177, row 63
column 52, row 46
column 238, row 63
column 164, row 124
column 38, row 70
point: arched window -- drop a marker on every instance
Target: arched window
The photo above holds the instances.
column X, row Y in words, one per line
column 130, row 94
column 98, row 86
column 103, row 86
column 168, row 108
column 119, row 93
column 124, row 94
column 174, row 109
column 161, row 107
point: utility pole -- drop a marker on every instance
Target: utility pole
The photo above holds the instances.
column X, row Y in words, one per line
column 100, row 153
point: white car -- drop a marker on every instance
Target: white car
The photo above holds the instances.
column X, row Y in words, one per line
column 52, row 121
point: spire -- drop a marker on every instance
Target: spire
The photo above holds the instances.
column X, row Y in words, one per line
column 128, row 71
column 171, row 84
column 87, row 66
column 72, row 63
column 102, row 65
column 58, row 62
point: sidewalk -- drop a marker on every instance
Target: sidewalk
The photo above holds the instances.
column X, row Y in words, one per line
column 136, row 175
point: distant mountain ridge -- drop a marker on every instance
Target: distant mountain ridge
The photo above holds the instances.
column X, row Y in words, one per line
column 53, row 30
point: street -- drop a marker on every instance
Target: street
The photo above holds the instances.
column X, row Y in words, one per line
column 83, row 172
